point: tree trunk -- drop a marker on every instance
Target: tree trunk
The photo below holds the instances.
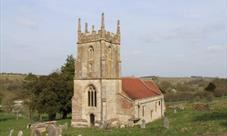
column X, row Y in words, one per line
column 64, row 115
column 17, row 115
column 30, row 113
column 40, row 117
column 52, row 116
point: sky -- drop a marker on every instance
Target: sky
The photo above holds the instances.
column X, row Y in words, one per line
column 158, row 37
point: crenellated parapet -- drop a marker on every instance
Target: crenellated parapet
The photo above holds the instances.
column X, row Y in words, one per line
column 93, row 35
column 97, row 36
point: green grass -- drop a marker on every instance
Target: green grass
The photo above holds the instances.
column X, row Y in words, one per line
column 8, row 121
column 187, row 122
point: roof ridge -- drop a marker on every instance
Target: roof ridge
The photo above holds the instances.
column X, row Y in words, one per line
column 154, row 84
column 136, row 88
column 125, row 95
column 148, row 86
column 145, row 85
column 129, row 77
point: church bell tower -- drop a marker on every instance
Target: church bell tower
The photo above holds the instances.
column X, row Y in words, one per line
column 97, row 75
column 98, row 53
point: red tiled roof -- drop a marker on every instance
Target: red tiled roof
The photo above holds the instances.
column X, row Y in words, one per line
column 136, row 88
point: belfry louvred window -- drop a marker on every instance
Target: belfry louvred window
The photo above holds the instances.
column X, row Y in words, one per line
column 90, row 52
column 92, row 96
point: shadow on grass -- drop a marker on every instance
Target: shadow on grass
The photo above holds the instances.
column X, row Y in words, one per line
column 45, row 119
column 5, row 119
column 213, row 116
column 224, row 124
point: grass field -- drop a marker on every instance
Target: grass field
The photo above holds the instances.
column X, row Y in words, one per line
column 187, row 122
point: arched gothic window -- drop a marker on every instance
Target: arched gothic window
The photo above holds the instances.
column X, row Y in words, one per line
column 92, row 96
column 90, row 52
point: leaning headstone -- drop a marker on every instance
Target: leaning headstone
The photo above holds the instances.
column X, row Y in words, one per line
column 60, row 130
column 52, row 130
column 104, row 125
column 28, row 125
column 66, row 126
column 20, row 133
column 11, row 132
column 166, row 123
column 35, row 132
column 122, row 126
column 115, row 124
column 181, row 107
column 143, row 124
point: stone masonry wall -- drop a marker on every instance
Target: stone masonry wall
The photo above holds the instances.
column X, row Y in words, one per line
column 150, row 109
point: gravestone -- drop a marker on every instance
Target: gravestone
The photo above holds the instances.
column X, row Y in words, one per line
column 166, row 123
column 52, row 130
column 66, row 126
column 40, row 127
column 35, row 132
column 11, row 132
column 143, row 124
column 20, row 133
column 122, row 126
column 105, row 125
column 175, row 111
column 61, row 128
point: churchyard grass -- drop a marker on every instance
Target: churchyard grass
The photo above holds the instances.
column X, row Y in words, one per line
column 8, row 121
column 183, row 122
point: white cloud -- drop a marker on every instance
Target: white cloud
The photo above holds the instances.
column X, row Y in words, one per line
column 27, row 23
column 216, row 48
column 136, row 52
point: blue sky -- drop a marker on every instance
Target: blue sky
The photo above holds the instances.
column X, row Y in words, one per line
column 159, row 37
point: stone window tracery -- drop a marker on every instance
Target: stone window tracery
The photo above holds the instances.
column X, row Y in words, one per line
column 92, row 96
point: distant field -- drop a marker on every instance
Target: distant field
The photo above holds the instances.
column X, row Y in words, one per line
column 187, row 122
column 12, row 76
column 11, row 86
column 11, row 82
column 179, row 79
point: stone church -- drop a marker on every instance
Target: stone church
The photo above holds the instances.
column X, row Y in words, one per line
column 101, row 95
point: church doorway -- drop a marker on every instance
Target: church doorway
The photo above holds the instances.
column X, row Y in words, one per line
column 92, row 119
